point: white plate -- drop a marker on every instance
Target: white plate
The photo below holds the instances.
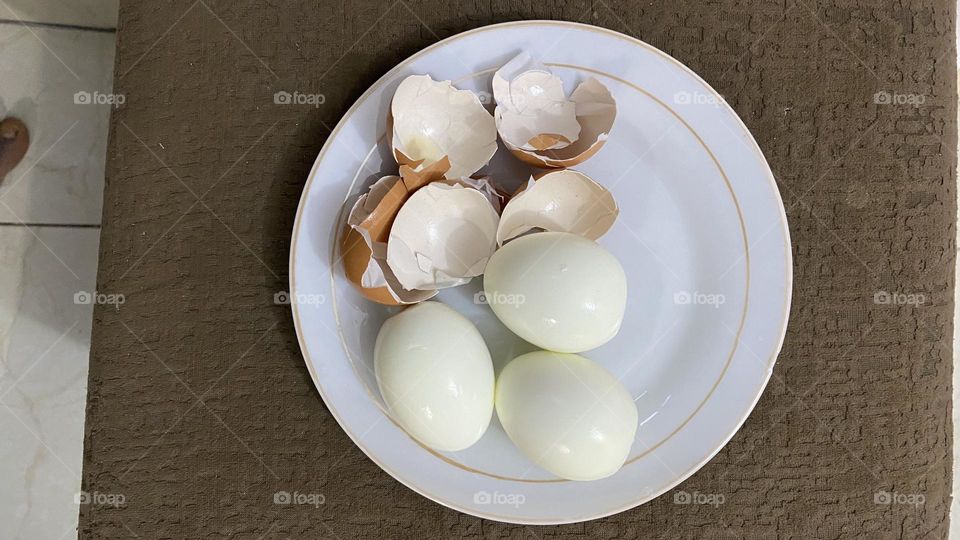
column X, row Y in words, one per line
column 702, row 236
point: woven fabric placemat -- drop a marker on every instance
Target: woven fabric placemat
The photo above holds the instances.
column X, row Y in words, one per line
column 200, row 407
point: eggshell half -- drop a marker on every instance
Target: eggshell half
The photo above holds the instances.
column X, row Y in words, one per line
column 561, row 201
column 533, row 112
column 535, row 123
column 430, row 120
column 442, row 237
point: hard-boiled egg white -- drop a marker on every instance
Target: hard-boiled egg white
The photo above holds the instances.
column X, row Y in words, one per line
column 435, row 375
column 567, row 414
column 559, row 291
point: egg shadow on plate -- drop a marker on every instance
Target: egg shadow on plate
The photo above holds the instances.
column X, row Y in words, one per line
column 470, row 301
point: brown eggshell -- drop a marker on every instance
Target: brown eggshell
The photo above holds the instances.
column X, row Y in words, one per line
column 546, row 114
column 415, row 179
column 555, row 163
column 356, row 256
column 544, row 141
column 368, row 225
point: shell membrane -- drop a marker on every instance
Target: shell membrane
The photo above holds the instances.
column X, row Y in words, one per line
column 442, row 237
column 564, row 200
column 540, row 125
column 430, row 120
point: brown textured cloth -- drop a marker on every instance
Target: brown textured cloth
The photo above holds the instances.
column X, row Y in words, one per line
column 200, row 406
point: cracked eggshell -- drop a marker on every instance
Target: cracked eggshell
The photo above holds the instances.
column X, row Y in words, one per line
column 559, row 201
column 430, row 120
column 442, row 237
column 536, row 120
column 363, row 247
column 533, row 113
column 485, row 185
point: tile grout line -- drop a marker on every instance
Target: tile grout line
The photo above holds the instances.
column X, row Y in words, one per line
column 52, row 225
column 59, row 26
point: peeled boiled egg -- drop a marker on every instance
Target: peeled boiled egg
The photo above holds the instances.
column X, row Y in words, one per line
column 435, row 375
column 567, row 414
column 559, row 291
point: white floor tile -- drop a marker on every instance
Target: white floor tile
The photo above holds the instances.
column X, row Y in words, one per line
column 95, row 13
column 61, row 178
column 44, row 353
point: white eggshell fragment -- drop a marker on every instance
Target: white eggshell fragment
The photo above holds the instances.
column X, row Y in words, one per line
column 435, row 375
column 559, row 291
column 442, row 237
column 567, row 414
column 560, row 201
column 533, row 112
column 536, row 120
column 485, row 185
column 432, row 120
